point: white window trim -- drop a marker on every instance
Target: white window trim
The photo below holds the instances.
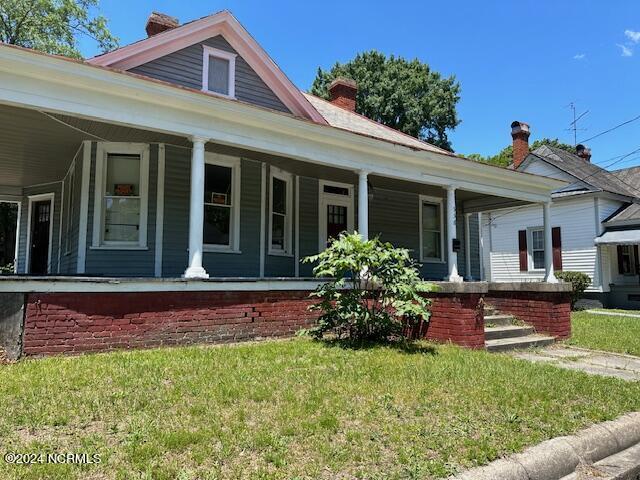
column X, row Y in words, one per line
column 104, row 149
column 530, row 231
column 27, row 256
column 208, row 52
column 234, row 230
column 325, row 199
column 439, row 202
column 287, row 178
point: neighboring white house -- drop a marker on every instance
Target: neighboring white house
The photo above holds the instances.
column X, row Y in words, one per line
column 595, row 220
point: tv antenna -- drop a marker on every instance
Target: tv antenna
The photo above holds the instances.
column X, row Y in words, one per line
column 573, row 126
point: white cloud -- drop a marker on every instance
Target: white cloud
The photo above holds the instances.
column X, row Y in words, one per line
column 579, row 56
column 626, row 51
column 633, row 36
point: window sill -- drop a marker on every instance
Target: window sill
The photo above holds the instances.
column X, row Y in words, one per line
column 118, row 247
column 217, row 249
column 431, row 260
column 217, row 94
column 276, row 253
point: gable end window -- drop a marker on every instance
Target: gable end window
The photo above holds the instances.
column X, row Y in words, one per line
column 431, row 229
column 221, row 229
column 218, row 72
column 121, row 196
column 280, row 212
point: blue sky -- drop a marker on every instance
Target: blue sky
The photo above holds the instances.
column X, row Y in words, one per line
column 524, row 60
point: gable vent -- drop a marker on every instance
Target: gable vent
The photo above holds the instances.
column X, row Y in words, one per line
column 160, row 22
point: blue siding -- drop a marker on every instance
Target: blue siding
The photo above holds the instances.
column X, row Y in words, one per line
column 125, row 263
column 308, row 232
column 184, row 67
column 69, row 257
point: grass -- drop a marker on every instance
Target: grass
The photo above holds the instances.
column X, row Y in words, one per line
column 605, row 332
column 617, row 310
column 292, row 409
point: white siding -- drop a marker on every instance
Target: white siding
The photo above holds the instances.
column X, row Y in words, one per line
column 608, row 207
column 538, row 167
column 576, row 217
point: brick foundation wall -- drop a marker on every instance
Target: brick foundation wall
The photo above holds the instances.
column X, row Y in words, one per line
column 457, row 318
column 90, row 322
column 546, row 312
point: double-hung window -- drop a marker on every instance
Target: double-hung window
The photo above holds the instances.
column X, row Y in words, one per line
column 431, row 230
column 121, row 196
column 280, row 212
column 537, row 248
column 221, row 203
column 218, row 72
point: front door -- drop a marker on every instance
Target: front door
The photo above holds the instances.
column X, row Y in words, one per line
column 40, row 231
column 336, row 210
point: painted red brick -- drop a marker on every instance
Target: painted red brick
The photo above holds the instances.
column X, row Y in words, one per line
column 546, row 312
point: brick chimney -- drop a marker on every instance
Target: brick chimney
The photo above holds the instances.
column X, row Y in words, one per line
column 342, row 93
column 520, row 134
column 159, row 22
column 583, row 152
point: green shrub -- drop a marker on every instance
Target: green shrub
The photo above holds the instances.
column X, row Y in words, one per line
column 373, row 290
column 6, row 269
column 579, row 282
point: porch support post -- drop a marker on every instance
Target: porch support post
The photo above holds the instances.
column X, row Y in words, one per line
column 363, row 205
column 549, row 276
column 481, row 246
column 451, row 235
column 196, row 211
column 467, row 247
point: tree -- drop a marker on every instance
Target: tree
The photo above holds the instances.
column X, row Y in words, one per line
column 505, row 156
column 405, row 95
column 53, row 26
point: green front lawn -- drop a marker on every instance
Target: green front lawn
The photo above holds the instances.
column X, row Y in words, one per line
column 292, row 409
column 605, row 332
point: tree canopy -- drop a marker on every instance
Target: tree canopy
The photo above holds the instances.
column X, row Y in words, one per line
column 54, row 26
column 505, row 156
column 405, row 95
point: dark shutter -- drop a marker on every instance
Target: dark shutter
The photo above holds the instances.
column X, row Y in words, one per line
column 637, row 260
column 556, row 242
column 522, row 247
column 620, row 260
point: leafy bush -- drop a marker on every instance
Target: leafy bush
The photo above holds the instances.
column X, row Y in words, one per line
column 579, row 282
column 373, row 292
column 6, row 269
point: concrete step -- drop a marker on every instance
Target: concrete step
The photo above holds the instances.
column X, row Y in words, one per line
column 513, row 343
column 498, row 320
column 507, row 331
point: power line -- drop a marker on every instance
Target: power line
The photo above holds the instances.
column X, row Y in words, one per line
column 611, row 129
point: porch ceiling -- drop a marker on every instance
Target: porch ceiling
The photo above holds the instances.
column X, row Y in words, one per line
column 38, row 147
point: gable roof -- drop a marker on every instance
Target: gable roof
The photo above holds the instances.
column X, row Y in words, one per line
column 585, row 172
column 354, row 122
column 221, row 23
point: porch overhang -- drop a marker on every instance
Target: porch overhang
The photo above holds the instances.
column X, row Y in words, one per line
column 619, row 237
column 60, row 85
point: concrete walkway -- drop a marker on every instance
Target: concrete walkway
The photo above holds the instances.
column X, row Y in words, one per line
column 614, row 314
column 593, row 362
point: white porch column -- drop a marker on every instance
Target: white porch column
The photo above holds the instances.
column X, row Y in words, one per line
column 196, row 211
column 467, row 247
column 363, row 205
column 549, row 276
column 451, row 234
column 481, row 246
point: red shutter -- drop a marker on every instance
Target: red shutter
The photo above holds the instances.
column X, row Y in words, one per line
column 556, row 242
column 620, row 261
column 522, row 247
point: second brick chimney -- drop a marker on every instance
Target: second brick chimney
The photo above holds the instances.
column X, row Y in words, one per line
column 583, row 152
column 520, row 134
column 159, row 22
column 342, row 93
